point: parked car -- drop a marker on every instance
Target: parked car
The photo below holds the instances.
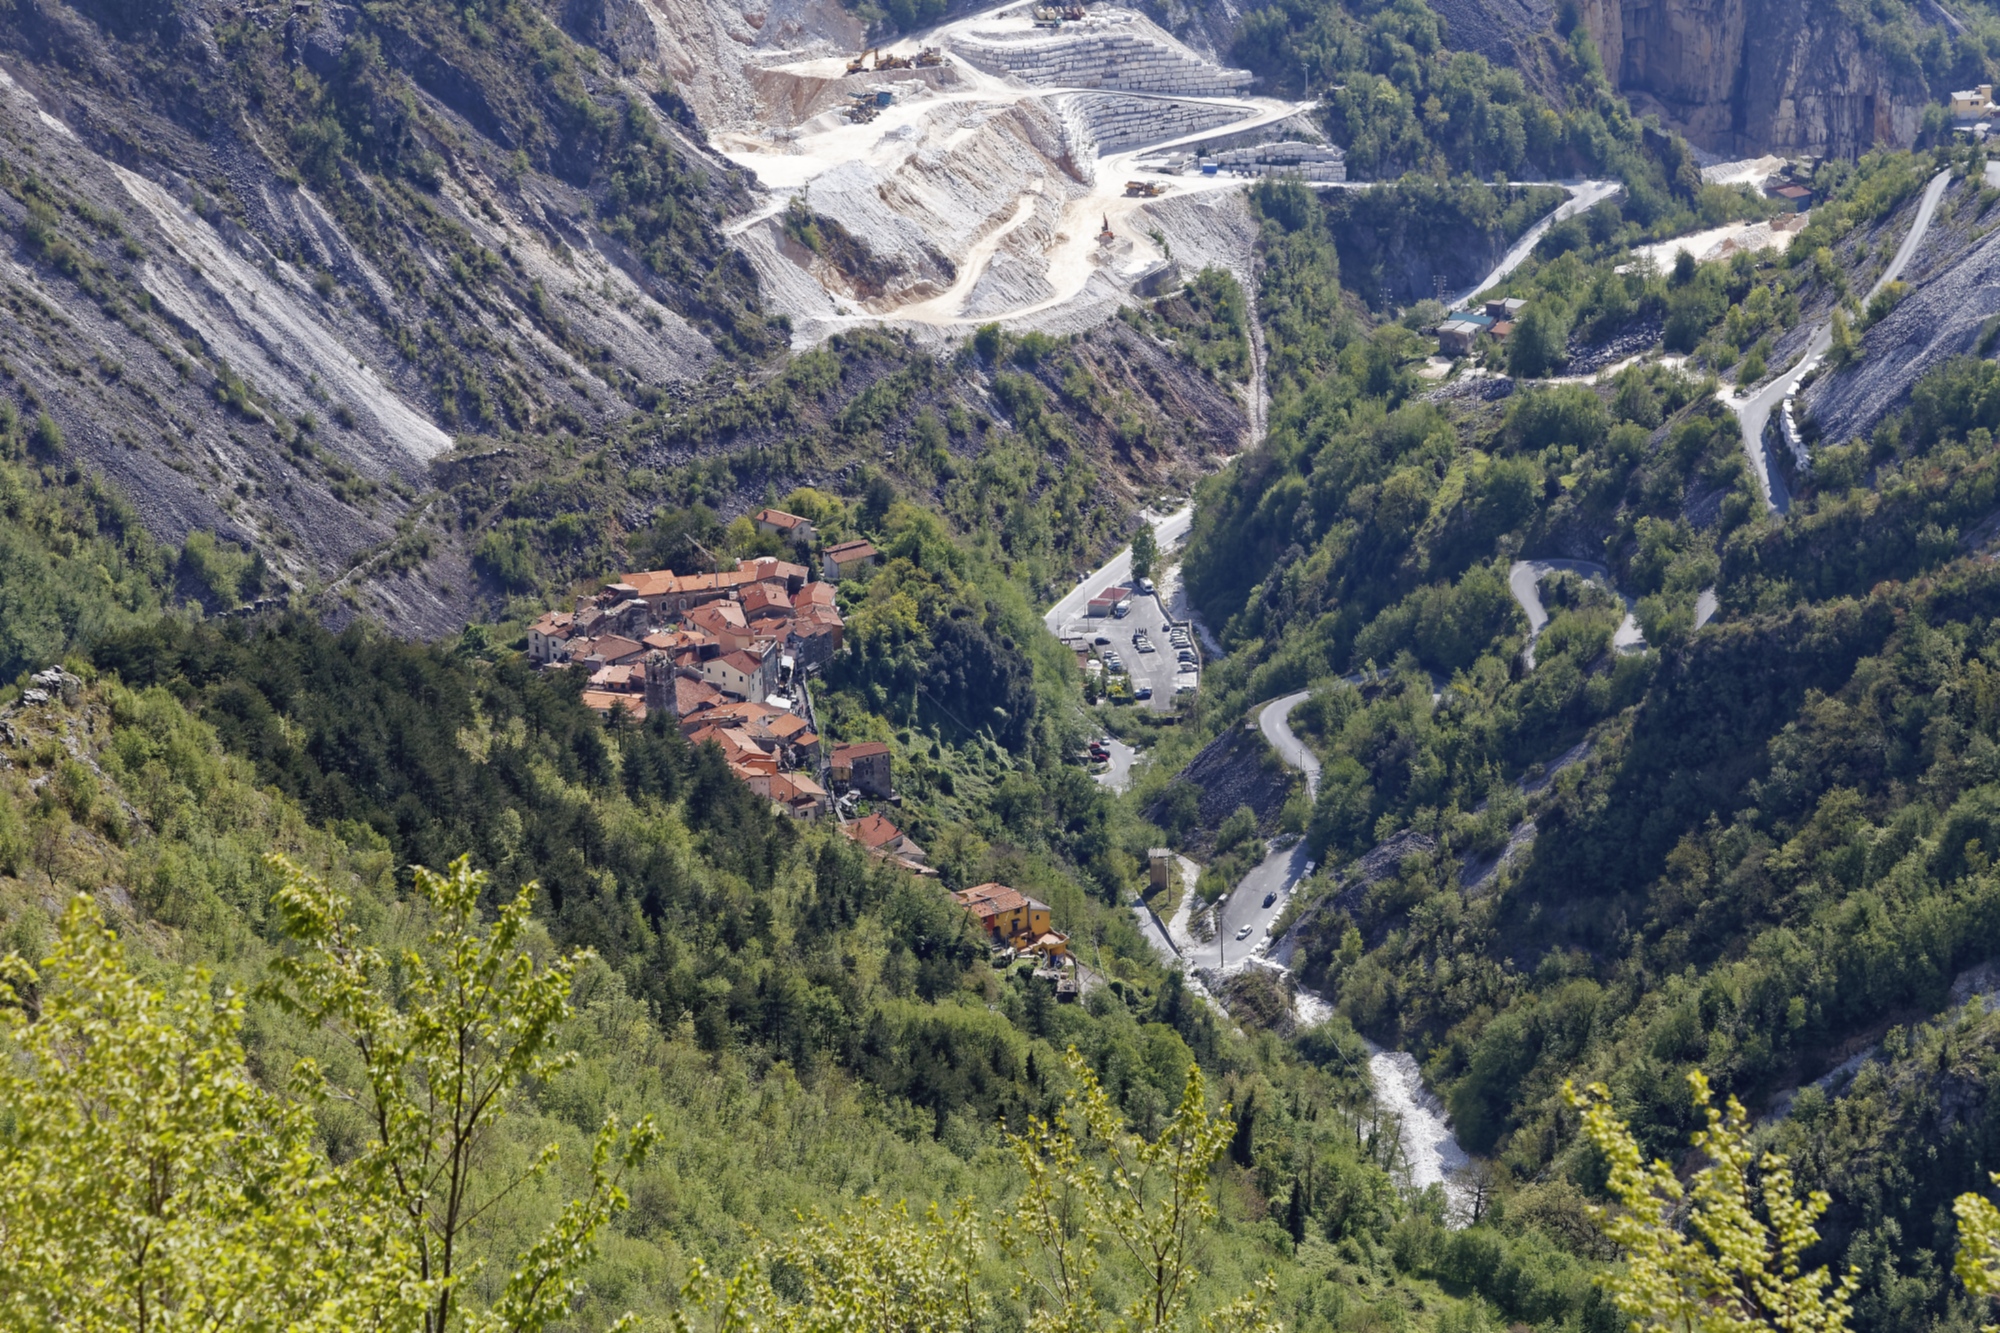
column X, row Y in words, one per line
column 1241, row 933
column 1270, row 897
column 1146, row 646
column 1146, row 586
column 1143, row 692
column 1101, row 640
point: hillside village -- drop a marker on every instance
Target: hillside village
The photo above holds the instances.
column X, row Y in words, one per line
column 727, row 656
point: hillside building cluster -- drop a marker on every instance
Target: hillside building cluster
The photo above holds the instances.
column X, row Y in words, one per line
column 721, row 654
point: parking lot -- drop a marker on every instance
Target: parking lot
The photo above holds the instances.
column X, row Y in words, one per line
column 1158, row 669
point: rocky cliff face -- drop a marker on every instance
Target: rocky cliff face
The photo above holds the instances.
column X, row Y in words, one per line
column 267, row 267
column 1743, row 77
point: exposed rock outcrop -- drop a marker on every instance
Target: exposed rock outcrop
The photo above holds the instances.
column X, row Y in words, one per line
column 1740, row 77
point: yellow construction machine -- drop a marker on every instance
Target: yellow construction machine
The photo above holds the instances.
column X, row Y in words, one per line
column 859, row 65
column 930, row 57
column 1144, row 189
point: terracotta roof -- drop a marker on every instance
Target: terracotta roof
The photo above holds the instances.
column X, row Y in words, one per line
column 814, row 594
column 718, row 617
column 604, row 700
column 617, row 677
column 554, row 623
column 692, row 696
column 801, row 787
column 778, row 518
column 978, row 896
column 766, row 599
column 859, row 750
column 610, row 647
column 1007, row 901
column 770, row 567
column 744, row 662
column 873, row 831
column 854, row 550
column 649, row 583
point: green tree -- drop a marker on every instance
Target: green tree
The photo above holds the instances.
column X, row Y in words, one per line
column 1844, row 347
column 447, row 1036
column 1738, row 1271
column 1536, row 346
column 1145, row 551
column 150, row 1183
column 1978, row 1262
column 1092, row 1184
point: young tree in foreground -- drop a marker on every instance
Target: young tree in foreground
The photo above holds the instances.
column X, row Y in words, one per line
column 447, row 1038
column 1738, row 1272
column 1093, row 1183
column 1978, row 1262
column 149, row 1183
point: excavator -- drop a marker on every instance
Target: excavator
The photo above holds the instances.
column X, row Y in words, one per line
column 930, row 57
column 859, row 65
column 883, row 62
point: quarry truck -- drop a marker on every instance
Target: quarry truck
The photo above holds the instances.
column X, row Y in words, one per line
column 1144, row 189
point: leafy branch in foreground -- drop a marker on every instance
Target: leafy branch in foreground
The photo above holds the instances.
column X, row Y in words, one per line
column 1978, row 1262
column 1091, row 1179
column 150, row 1183
column 447, row 1037
column 1738, row 1272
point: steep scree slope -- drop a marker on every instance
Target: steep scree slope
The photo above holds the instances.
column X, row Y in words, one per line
column 261, row 265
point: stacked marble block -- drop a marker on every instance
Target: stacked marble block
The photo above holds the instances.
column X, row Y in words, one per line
column 1117, row 123
column 1117, row 61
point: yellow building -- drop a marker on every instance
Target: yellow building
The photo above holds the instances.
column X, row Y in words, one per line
column 1010, row 916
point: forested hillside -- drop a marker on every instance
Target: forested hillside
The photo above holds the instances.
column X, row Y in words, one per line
column 357, row 972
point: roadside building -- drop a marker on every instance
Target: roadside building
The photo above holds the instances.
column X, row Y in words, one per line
column 849, row 558
column 1106, row 602
column 864, row 767
column 1505, row 307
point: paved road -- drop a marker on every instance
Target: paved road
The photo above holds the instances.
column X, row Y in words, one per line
column 1273, row 720
column 1149, row 926
column 1278, row 873
column 1754, row 410
column 1581, row 196
column 1524, row 580
column 1117, row 775
column 1158, row 669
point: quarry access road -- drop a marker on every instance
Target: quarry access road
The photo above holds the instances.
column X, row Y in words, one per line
column 1524, row 580
column 1754, row 410
column 1274, row 720
column 1582, row 195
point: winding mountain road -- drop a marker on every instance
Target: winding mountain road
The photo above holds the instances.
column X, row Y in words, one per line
column 1274, row 720
column 1754, row 410
column 1524, row 580
column 1582, row 195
